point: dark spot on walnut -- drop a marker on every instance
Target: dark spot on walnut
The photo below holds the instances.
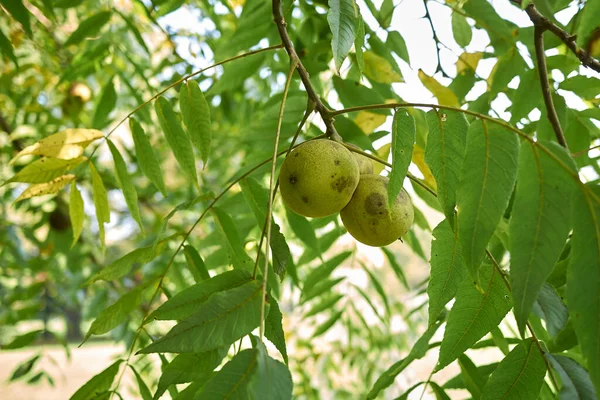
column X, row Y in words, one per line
column 293, row 179
column 337, row 162
column 296, row 153
column 305, row 199
column 375, row 204
column 342, row 183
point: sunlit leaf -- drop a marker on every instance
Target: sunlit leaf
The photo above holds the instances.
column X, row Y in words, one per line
column 343, row 22
column 271, row 380
column 379, row 69
column 19, row 12
column 444, row 154
column 45, row 169
column 76, row 212
column 99, row 384
column 178, row 140
column 144, row 391
column 196, row 117
column 187, row 302
column 397, row 44
column 224, row 318
column 67, row 144
column 448, row 271
column 488, row 176
column 403, row 141
column 359, row 42
column 444, row 95
column 124, row 180
column 147, row 160
column 23, row 340
column 474, row 314
column 89, row 27
column 583, row 277
column 519, row 375
column 100, row 202
column 41, row 189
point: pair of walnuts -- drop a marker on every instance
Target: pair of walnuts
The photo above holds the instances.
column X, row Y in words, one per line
column 322, row 177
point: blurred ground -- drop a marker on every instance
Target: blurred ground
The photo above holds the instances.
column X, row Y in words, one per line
column 68, row 376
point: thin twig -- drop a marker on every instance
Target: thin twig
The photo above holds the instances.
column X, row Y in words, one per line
column 569, row 40
column 529, row 327
column 436, row 39
column 263, row 300
column 582, row 152
column 538, row 39
column 312, row 94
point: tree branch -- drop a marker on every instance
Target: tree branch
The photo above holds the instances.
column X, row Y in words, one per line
column 538, row 39
column 436, row 39
column 570, row 40
column 304, row 76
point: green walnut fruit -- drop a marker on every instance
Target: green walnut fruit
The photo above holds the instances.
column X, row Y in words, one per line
column 368, row 218
column 365, row 164
column 318, row 177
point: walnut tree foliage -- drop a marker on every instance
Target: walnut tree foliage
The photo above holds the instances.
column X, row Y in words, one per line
column 139, row 163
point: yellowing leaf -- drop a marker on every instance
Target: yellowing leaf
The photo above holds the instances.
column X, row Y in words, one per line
column 41, row 189
column 67, row 144
column 368, row 121
column 444, row 95
column 468, row 61
column 383, row 152
column 418, row 158
column 379, row 69
column 76, row 212
column 44, row 170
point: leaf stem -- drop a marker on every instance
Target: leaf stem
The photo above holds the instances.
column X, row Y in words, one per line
column 293, row 63
column 538, row 39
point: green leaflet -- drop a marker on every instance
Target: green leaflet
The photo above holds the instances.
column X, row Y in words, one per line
column 418, row 351
column 251, row 375
column 99, row 384
column 472, row 377
column 359, row 42
column 461, row 30
column 322, row 272
column 488, row 177
column 343, row 22
column 45, row 169
column 224, row 318
column 583, row 277
column 178, row 140
column 195, row 264
column 444, row 155
column 123, row 265
column 76, row 212
column 257, row 198
column 302, row 229
column 118, row 312
column 196, row 117
column 539, row 224
column 576, row 383
column 6, row 48
column 448, row 270
column 519, row 375
column 89, row 27
column 144, row 391
column 550, row 307
column 107, row 103
column 403, row 141
column 186, row 302
column 236, row 73
column 146, row 158
column 274, row 328
column 474, row 314
column 396, row 43
column 127, row 186
column 189, row 367
column 100, row 202
column 226, row 226
column 18, row 12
